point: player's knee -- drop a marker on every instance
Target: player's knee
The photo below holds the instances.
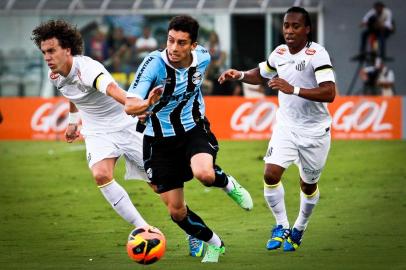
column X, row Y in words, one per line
column 177, row 213
column 205, row 176
column 102, row 177
column 308, row 189
column 271, row 178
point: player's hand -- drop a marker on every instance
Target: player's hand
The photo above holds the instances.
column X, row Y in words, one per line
column 229, row 75
column 155, row 95
column 143, row 117
column 71, row 132
column 281, row 85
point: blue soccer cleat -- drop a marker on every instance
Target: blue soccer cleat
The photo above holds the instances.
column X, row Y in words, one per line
column 293, row 241
column 196, row 247
column 278, row 235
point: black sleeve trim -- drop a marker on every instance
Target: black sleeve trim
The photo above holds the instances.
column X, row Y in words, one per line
column 269, row 66
column 322, row 67
column 95, row 80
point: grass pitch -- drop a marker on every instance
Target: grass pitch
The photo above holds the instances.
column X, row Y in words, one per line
column 52, row 216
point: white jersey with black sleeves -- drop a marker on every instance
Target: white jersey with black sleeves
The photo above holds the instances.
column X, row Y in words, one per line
column 305, row 69
column 84, row 86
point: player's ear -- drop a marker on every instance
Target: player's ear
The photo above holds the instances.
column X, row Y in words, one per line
column 307, row 30
column 68, row 51
column 194, row 44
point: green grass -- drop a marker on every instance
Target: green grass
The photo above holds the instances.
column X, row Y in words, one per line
column 52, row 216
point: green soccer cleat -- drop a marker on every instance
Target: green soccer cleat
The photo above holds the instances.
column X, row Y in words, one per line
column 240, row 195
column 213, row 253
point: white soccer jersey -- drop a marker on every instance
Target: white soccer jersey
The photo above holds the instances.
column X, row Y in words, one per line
column 305, row 69
column 99, row 113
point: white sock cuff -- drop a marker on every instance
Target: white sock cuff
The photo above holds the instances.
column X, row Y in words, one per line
column 108, row 183
column 312, row 198
column 272, row 189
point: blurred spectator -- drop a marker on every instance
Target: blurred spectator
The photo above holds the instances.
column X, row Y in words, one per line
column 118, row 51
column 379, row 25
column 145, row 44
column 369, row 74
column 216, row 66
column 378, row 78
column 98, row 46
column 386, row 81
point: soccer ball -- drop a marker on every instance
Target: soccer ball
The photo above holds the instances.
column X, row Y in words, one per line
column 146, row 245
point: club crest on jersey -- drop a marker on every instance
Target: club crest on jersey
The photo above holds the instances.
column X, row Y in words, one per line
column 53, row 76
column 197, row 77
column 310, row 51
column 301, row 66
column 281, row 51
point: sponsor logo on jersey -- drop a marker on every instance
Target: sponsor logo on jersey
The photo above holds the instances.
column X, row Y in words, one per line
column 281, row 51
column 144, row 66
column 197, row 78
column 54, row 76
column 310, row 51
column 301, row 65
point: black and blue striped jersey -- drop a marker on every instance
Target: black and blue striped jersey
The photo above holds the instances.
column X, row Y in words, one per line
column 181, row 105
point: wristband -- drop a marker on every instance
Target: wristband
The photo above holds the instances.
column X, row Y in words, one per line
column 242, row 76
column 296, row 90
column 73, row 117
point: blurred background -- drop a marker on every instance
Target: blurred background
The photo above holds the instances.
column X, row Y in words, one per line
column 238, row 33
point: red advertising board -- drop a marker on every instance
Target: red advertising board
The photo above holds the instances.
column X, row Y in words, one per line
column 234, row 118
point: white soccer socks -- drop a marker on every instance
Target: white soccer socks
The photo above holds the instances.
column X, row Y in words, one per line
column 121, row 203
column 307, row 203
column 275, row 198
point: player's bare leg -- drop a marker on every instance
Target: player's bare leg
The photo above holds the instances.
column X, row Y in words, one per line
column 203, row 170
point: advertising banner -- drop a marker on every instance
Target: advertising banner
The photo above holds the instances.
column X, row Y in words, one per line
column 235, row 118
column 352, row 117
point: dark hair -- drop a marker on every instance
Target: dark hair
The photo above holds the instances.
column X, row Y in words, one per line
column 67, row 35
column 185, row 24
column 379, row 4
column 306, row 18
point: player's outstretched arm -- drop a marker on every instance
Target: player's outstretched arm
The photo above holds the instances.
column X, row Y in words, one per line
column 252, row 76
column 116, row 92
column 136, row 106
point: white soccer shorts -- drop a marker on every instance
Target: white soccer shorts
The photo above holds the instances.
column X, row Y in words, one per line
column 308, row 153
column 126, row 142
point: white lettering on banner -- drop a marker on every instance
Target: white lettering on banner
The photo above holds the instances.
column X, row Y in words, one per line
column 362, row 116
column 50, row 117
column 256, row 117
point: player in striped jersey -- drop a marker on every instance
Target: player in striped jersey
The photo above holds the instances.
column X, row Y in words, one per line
column 301, row 70
column 178, row 144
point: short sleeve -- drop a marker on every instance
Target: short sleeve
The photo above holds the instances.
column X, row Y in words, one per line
column 95, row 75
column 322, row 67
column 145, row 77
column 267, row 68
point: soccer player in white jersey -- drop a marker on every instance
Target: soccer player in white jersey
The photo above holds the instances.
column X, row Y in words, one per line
column 302, row 73
column 93, row 94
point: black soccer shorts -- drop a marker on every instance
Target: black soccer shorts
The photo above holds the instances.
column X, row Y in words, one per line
column 167, row 160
